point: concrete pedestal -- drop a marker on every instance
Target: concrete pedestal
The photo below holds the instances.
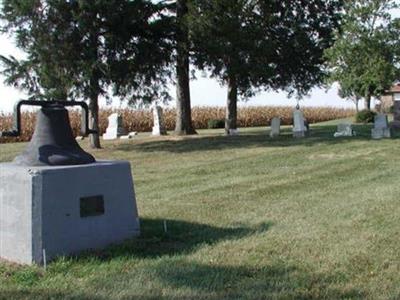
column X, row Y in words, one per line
column 64, row 209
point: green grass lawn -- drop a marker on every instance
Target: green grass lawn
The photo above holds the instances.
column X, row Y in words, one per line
column 248, row 217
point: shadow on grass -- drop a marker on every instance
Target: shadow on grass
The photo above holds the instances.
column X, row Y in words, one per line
column 319, row 135
column 46, row 294
column 181, row 238
column 281, row 281
column 182, row 277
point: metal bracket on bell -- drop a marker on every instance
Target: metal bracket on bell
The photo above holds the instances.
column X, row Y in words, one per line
column 16, row 131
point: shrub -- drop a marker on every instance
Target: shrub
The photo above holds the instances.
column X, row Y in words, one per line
column 365, row 116
column 216, row 123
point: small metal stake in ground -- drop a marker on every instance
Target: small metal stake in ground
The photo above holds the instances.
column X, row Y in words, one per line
column 44, row 259
column 165, row 226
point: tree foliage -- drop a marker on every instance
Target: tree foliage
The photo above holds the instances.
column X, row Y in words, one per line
column 123, row 44
column 254, row 44
column 351, row 96
column 85, row 49
column 365, row 58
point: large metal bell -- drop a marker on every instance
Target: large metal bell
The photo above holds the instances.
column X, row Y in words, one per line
column 52, row 143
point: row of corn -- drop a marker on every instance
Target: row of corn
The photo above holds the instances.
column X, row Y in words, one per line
column 142, row 120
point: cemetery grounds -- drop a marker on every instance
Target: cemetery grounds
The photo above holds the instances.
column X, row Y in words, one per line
column 242, row 217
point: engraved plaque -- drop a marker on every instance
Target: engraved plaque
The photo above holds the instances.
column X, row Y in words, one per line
column 91, row 206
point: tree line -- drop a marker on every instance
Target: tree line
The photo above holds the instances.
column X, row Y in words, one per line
column 132, row 49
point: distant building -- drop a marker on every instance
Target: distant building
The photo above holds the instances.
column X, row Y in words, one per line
column 387, row 100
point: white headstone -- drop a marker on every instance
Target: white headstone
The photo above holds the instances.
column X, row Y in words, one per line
column 129, row 136
column 275, row 127
column 381, row 128
column 298, row 124
column 234, row 131
column 158, row 125
column 115, row 128
column 344, row 129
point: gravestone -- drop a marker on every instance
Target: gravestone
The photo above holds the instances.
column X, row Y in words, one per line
column 381, row 129
column 158, row 118
column 396, row 115
column 344, row 129
column 129, row 136
column 275, row 127
column 234, row 131
column 115, row 128
column 299, row 128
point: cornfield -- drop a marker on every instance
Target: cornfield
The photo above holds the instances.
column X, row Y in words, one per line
column 142, row 120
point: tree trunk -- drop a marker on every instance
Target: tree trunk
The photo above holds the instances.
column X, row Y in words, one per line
column 94, row 138
column 357, row 104
column 367, row 101
column 94, row 110
column 231, row 105
column 183, row 125
column 94, row 92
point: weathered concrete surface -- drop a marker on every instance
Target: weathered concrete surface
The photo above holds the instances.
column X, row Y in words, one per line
column 40, row 209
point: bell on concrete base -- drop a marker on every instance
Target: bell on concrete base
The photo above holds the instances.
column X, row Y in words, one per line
column 53, row 142
column 55, row 199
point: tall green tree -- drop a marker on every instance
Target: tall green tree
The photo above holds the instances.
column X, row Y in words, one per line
column 365, row 58
column 351, row 96
column 251, row 45
column 183, row 124
column 85, row 49
column 42, row 74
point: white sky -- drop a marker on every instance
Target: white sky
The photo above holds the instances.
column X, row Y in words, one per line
column 204, row 91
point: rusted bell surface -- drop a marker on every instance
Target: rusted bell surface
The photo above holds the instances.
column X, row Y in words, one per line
column 53, row 142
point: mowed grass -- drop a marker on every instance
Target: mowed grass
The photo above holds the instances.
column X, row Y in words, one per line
column 248, row 217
